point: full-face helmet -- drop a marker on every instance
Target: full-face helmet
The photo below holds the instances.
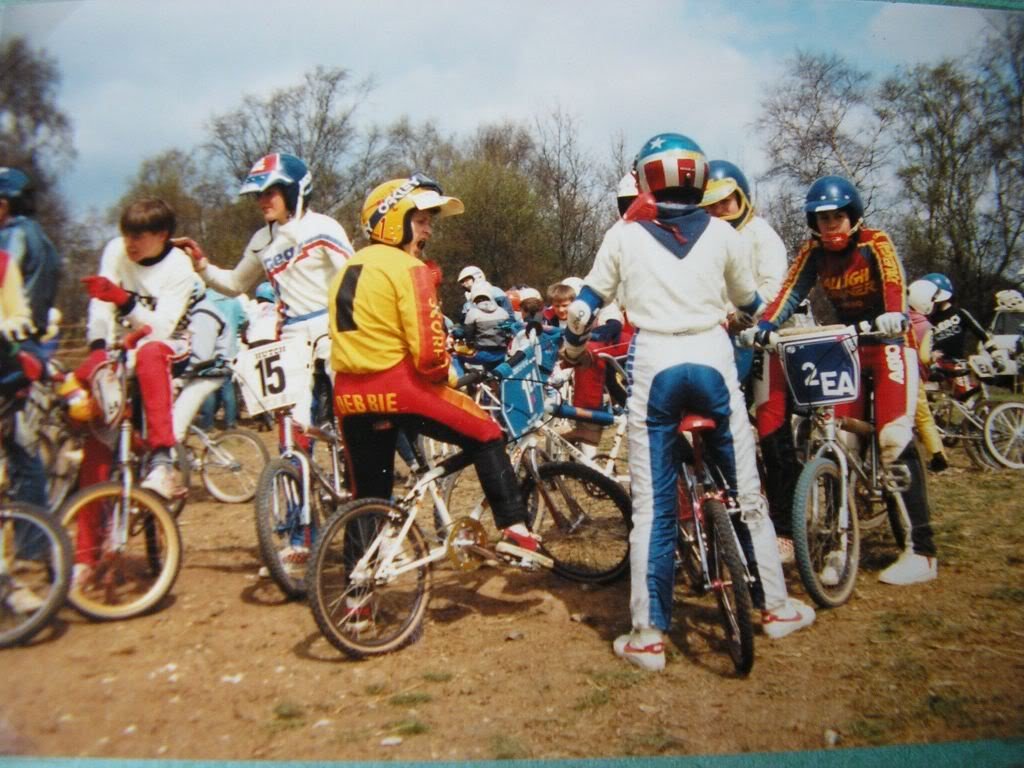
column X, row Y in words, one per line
column 288, row 171
column 724, row 179
column 265, row 292
column 386, row 212
column 626, row 192
column 672, row 167
column 921, row 296
column 470, row 273
column 833, row 193
column 16, row 186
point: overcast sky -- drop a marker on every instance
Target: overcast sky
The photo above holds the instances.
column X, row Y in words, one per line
column 143, row 76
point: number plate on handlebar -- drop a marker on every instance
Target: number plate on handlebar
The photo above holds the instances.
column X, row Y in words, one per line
column 270, row 373
column 821, row 367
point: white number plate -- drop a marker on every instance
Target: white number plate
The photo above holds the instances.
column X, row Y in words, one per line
column 270, row 373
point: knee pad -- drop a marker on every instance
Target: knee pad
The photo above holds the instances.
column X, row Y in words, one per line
column 894, row 438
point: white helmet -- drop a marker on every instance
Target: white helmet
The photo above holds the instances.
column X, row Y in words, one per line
column 576, row 283
column 921, row 296
column 481, row 290
column 529, row 293
column 474, row 272
column 1010, row 299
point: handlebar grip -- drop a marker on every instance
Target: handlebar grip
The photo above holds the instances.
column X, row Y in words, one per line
column 470, row 378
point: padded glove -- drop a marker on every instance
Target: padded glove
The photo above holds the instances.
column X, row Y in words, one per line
column 891, row 324
column 99, row 287
column 191, row 247
column 95, row 359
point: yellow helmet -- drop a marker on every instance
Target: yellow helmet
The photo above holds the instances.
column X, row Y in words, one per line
column 77, row 399
column 385, row 216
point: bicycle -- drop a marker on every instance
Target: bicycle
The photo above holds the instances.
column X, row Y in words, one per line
column 1004, row 434
column 229, row 463
column 959, row 398
column 839, row 484
column 295, row 489
column 708, row 551
column 370, row 571
column 127, row 543
column 35, row 552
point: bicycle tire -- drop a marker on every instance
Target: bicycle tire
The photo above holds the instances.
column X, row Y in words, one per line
column 35, row 554
column 231, row 465
column 396, row 605
column 817, row 537
column 871, row 511
column 278, row 528
column 729, row 585
column 133, row 581
column 583, row 518
column 1004, row 434
column 61, row 469
column 971, row 433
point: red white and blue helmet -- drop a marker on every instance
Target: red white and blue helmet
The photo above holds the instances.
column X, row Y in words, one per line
column 724, row 179
column 671, row 161
column 282, row 169
column 943, row 285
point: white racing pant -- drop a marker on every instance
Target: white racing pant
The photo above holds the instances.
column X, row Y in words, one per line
column 311, row 335
column 671, row 375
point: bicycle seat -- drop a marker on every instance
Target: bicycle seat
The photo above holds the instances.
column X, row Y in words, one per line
column 693, row 422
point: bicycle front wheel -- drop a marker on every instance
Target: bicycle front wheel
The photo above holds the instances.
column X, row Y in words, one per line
column 127, row 551
column 584, row 519
column 728, row 577
column 285, row 539
column 231, row 465
column 1004, row 434
column 35, row 571
column 361, row 605
column 827, row 551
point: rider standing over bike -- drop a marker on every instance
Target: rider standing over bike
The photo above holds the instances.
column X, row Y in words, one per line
column 392, row 367
column 299, row 252
column 862, row 276
column 951, row 324
column 668, row 261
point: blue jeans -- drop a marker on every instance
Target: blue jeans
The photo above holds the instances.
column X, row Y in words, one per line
column 224, row 396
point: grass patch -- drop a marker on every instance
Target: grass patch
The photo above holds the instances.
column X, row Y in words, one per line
column 870, row 730
column 657, row 742
column 593, row 700
column 1010, row 594
column 952, row 710
column 438, row 677
column 410, row 699
column 287, row 716
column 408, row 727
column 375, row 689
column 508, row 748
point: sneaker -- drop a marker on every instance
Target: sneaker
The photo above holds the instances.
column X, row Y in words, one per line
column 584, row 432
column 81, row 575
column 938, row 462
column 786, row 552
column 164, row 480
column 294, row 559
column 22, row 599
column 910, row 568
column 835, row 562
column 524, row 548
column 263, row 572
column 784, row 621
column 644, row 648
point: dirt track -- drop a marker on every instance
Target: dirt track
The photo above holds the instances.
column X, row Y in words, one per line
column 519, row 665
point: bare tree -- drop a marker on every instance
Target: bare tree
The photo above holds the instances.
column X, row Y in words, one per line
column 818, row 120
column 315, row 120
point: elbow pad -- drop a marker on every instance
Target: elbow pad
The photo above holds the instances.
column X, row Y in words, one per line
column 581, row 316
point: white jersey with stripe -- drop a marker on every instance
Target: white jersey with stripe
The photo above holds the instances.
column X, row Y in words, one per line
column 300, row 258
column 164, row 293
column 668, row 294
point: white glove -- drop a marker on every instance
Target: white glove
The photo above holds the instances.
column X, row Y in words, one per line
column 16, row 329
column 891, row 324
column 757, row 337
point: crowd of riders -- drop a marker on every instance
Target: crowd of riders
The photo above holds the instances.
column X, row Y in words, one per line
column 688, row 287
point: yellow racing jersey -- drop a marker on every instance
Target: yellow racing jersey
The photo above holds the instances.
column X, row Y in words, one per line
column 383, row 308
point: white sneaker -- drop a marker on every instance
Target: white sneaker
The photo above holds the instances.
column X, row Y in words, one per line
column 23, row 600
column 910, row 568
column 358, row 613
column 835, row 562
column 81, row 575
column 644, row 648
column 165, row 481
column 786, row 552
column 784, row 621
column 295, row 559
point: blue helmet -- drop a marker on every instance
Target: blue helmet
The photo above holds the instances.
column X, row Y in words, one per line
column 725, row 178
column 286, row 170
column 833, row 193
column 265, row 292
column 943, row 286
column 16, row 186
column 673, row 163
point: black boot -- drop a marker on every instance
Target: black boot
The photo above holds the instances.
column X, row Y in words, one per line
column 780, row 473
column 498, row 480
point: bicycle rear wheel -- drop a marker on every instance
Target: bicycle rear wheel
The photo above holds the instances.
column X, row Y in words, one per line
column 231, row 465
column 118, row 579
column 827, row 553
column 361, row 608
column 728, row 578
column 285, row 542
column 584, row 519
column 1004, row 434
column 35, row 571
